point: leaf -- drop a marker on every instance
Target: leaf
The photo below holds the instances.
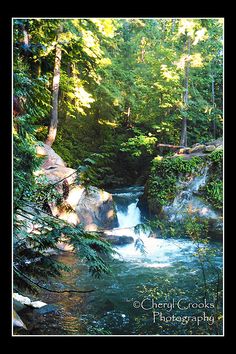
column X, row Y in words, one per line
column 90, row 161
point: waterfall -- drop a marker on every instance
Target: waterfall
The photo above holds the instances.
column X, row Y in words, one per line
column 128, row 213
column 131, row 217
column 126, row 200
column 187, row 200
column 155, row 252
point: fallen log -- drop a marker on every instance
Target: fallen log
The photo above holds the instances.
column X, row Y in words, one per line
column 172, row 146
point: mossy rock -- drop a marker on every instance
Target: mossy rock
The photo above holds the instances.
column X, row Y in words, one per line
column 210, row 148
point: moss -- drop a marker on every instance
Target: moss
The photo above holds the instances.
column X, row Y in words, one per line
column 193, row 227
column 165, row 173
column 213, row 190
column 162, row 184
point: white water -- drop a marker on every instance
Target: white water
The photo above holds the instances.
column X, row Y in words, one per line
column 159, row 253
column 168, row 264
column 187, row 202
column 129, row 218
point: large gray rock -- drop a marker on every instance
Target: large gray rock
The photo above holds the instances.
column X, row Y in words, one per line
column 53, row 167
column 50, row 156
column 210, row 148
column 95, row 209
column 217, row 142
column 58, row 173
column 119, row 240
column 20, row 302
column 17, row 321
column 220, row 147
column 92, row 207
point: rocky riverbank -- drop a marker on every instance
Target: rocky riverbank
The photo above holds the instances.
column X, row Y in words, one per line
column 91, row 206
column 187, row 184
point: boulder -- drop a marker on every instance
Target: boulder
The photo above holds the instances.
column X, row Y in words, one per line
column 215, row 230
column 96, row 208
column 217, row 142
column 119, row 240
column 38, row 304
column 219, row 148
column 20, row 302
column 194, row 145
column 17, row 321
column 53, row 167
column 51, row 157
column 210, row 148
column 58, row 173
column 92, row 207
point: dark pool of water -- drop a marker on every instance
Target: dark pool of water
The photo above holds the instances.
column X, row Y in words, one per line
column 113, row 308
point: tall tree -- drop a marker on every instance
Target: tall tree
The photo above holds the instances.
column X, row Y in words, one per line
column 183, row 139
column 52, row 131
column 213, row 102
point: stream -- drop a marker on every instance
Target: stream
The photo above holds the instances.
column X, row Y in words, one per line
column 168, row 288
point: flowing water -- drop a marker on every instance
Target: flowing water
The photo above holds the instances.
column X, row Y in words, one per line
column 188, row 202
column 168, row 287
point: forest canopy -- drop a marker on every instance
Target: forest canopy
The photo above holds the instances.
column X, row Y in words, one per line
column 113, row 89
column 117, row 141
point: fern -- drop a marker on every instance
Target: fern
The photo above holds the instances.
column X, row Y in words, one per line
column 35, row 231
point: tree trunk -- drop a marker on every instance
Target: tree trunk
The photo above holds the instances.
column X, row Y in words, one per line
column 163, row 23
column 71, row 74
column 128, row 112
column 38, row 68
column 52, row 131
column 213, row 104
column 26, row 37
column 183, row 139
column 173, row 25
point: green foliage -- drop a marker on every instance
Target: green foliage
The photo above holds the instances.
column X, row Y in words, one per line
column 33, row 264
column 120, row 92
column 139, row 144
column 213, row 190
column 90, row 247
column 94, row 170
column 35, row 228
column 194, row 227
column 165, row 173
column 214, row 193
column 33, row 92
column 24, row 161
column 216, row 157
column 121, row 89
column 122, row 83
column 35, row 231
